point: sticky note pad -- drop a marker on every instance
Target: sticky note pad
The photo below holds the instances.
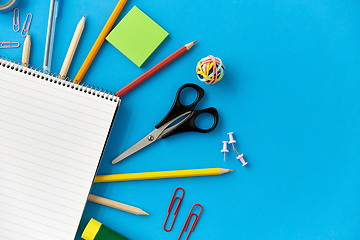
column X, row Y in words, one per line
column 137, row 36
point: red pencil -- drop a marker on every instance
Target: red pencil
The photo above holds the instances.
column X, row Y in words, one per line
column 154, row 69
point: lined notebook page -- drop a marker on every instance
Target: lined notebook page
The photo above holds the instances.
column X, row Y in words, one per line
column 51, row 141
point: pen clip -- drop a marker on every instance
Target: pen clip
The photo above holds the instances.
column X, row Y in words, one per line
column 28, row 25
column 171, row 206
column 9, row 44
column 16, row 20
column 188, row 221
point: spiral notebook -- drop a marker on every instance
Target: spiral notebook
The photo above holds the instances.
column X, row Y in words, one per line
column 52, row 136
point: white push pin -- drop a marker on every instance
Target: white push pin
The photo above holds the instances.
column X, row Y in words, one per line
column 224, row 150
column 232, row 141
column 241, row 158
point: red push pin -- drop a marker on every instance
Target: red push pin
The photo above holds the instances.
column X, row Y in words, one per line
column 241, row 158
column 224, row 150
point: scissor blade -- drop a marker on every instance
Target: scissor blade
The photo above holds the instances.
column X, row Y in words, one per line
column 150, row 138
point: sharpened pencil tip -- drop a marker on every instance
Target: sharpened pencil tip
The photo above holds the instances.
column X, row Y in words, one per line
column 147, row 214
column 84, row 15
column 230, row 170
column 194, row 41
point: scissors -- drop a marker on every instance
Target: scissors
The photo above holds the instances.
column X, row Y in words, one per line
column 164, row 128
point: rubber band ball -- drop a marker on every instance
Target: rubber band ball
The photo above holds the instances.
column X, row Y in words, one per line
column 210, row 69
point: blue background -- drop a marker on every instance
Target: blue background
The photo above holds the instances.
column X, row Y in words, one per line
column 290, row 94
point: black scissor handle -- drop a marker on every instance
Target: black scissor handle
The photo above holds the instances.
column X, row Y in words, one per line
column 189, row 124
column 177, row 108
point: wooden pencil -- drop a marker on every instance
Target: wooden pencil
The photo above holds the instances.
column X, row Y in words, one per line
column 26, row 51
column 74, row 42
column 116, row 205
column 99, row 41
column 155, row 69
column 160, row 175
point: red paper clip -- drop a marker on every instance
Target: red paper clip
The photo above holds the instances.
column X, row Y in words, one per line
column 28, row 25
column 188, row 221
column 9, row 44
column 177, row 208
column 16, row 20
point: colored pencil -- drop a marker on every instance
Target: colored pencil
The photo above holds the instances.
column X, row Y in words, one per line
column 116, row 205
column 99, row 41
column 155, row 69
column 26, row 51
column 74, row 42
column 162, row 174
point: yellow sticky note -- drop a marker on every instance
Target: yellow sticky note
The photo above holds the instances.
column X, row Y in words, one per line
column 137, row 36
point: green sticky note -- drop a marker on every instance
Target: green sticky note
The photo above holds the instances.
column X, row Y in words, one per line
column 137, row 36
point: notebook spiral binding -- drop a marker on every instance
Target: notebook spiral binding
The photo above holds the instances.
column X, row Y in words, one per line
column 56, row 78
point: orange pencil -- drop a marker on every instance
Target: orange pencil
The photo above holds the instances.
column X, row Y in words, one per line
column 99, row 41
column 154, row 69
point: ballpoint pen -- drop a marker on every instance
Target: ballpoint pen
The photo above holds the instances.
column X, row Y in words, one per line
column 53, row 12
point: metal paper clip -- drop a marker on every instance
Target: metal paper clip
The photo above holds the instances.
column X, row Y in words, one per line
column 188, row 221
column 28, row 25
column 16, row 20
column 177, row 208
column 9, row 44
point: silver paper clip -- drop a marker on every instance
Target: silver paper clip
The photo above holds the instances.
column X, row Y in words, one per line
column 9, row 44
column 189, row 219
column 16, row 20
column 28, row 25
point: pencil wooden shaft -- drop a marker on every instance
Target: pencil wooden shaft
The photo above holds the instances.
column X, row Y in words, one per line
column 116, row 205
column 159, row 175
column 99, row 41
column 72, row 48
column 154, row 70
column 26, row 51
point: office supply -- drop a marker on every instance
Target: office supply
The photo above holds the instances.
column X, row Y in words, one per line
column 173, row 199
column 116, row 205
column 210, row 69
column 26, row 51
column 154, row 69
column 188, row 219
column 53, row 134
column 16, row 20
column 26, row 26
column 53, row 13
column 9, row 44
column 7, row 7
column 160, row 175
column 176, row 112
column 241, row 158
column 72, row 47
column 95, row 230
column 137, row 36
column 95, row 48
column 224, row 150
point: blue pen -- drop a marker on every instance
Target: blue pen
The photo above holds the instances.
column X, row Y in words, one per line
column 53, row 12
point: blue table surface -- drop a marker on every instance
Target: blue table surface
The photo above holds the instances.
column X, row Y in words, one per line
column 290, row 94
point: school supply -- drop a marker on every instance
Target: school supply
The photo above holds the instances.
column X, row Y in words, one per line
column 95, row 230
column 52, row 136
column 26, row 26
column 187, row 222
column 7, row 7
column 210, row 69
column 173, row 199
column 224, row 150
column 53, row 13
column 84, row 67
column 160, row 175
column 137, row 36
column 72, row 48
column 154, row 69
column 116, row 205
column 9, row 44
column 177, row 111
column 26, row 51
column 16, row 20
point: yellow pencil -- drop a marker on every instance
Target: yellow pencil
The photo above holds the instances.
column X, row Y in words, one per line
column 74, row 42
column 26, row 51
column 159, row 175
column 99, row 41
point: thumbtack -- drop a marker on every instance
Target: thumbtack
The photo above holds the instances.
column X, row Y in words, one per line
column 241, row 158
column 224, row 150
column 231, row 138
